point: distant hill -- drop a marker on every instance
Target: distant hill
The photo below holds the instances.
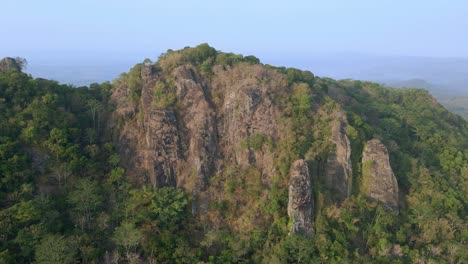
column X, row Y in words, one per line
column 455, row 104
column 458, row 105
column 413, row 83
column 446, row 75
column 435, row 90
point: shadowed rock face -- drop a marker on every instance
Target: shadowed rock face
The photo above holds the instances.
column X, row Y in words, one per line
column 300, row 204
column 339, row 170
column 379, row 182
column 9, row 64
column 149, row 141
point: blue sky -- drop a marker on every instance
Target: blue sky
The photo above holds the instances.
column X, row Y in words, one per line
column 265, row 28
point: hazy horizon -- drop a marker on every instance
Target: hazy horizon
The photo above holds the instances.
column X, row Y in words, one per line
column 447, row 73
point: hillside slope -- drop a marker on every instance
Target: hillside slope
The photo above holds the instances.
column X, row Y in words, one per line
column 457, row 104
column 215, row 157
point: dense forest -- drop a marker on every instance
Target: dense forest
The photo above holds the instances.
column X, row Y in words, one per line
column 197, row 158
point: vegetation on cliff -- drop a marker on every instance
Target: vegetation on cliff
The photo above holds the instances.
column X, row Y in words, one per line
column 76, row 167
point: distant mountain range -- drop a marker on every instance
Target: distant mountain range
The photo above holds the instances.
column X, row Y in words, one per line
column 445, row 95
column 445, row 78
column 458, row 105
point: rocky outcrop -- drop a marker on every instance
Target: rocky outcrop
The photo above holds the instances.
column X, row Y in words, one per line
column 300, row 204
column 244, row 95
column 378, row 180
column 338, row 168
column 8, row 63
column 197, row 127
column 213, row 120
column 151, row 152
column 148, row 137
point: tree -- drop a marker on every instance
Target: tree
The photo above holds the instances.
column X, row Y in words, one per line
column 128, row 237
column 95, row 109
column 252, row 59
column 61, row 172
column 55, row 249
column 85, row 199
column 21, row 62
column 169, row 205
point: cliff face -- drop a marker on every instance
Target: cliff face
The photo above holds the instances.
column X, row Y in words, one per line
column 148, row 137
column 9, row 64
column 300, row 204
column 244, row 96
column 338, row 168
column 197, row 127
column 212, row 124
column 379, row 182
column 179, row 125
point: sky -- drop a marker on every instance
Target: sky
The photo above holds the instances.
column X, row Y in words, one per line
column 434, row 28
column 85, row 41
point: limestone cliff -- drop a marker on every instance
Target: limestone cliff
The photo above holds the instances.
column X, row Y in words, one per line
column 300, row 204
column 378, row 180
column 338, row 168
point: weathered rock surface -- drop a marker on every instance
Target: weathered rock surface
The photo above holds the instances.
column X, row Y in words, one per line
column 197, row 127
column 211, row 122
column 148, row 137
column 8, row 63
column 300, row 204
column 339, row 169
column 378, row 181
column 245, row 95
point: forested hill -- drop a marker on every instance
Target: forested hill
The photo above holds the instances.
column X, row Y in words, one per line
column 213, row 157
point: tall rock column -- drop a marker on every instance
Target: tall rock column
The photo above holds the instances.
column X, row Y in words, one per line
column 339, row 169
column 378, row 180
column 300, row 203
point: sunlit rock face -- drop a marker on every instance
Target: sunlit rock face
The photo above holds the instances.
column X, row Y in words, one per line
column 378, row 181
column 301, row 204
